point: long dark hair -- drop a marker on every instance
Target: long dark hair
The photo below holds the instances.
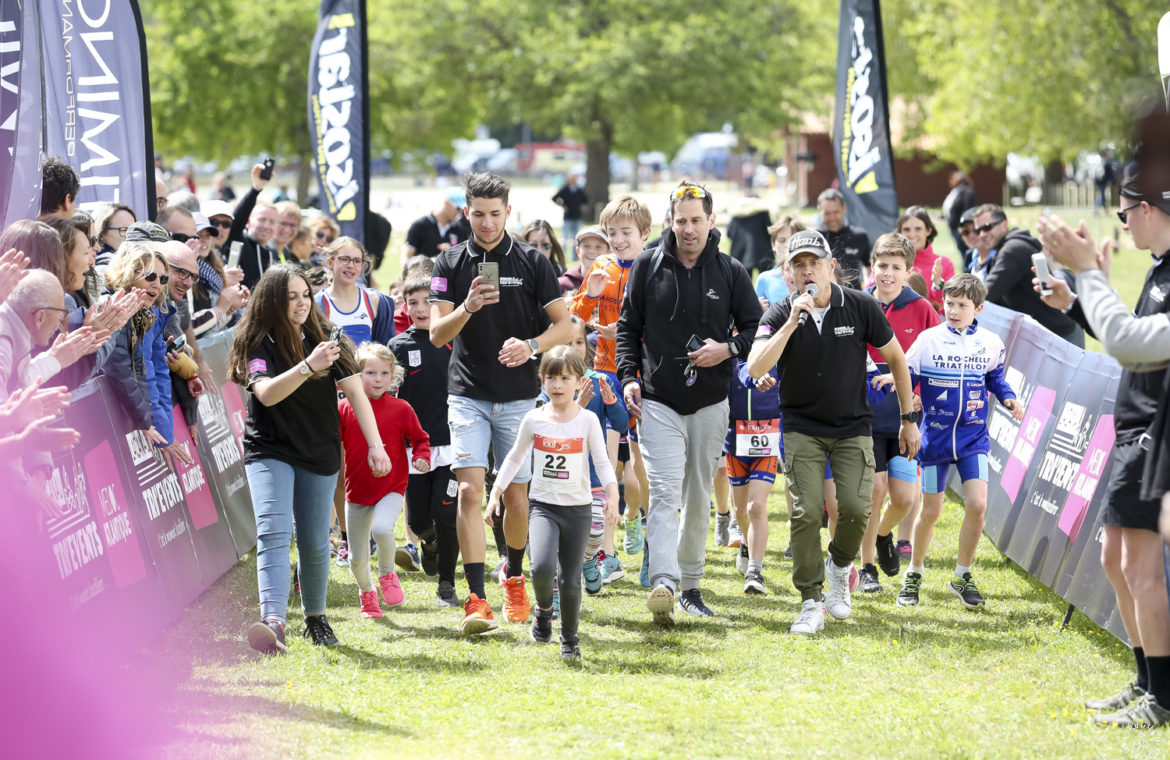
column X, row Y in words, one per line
column 267, row 315
column 922, row 214
column 556, row 253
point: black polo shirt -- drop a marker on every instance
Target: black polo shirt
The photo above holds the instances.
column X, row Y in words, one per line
column 822, row 374
column 304, row 429
column 425, row 235
column 851, row 248
column 527, row 285
column 424, row 384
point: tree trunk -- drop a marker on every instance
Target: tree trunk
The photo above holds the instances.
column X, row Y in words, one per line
column 597, row 170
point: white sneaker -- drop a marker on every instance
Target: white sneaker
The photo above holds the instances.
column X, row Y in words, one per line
column 742, row 559
column 838, row 599
column 735, row 535
column 661, row 605
column 811, row 620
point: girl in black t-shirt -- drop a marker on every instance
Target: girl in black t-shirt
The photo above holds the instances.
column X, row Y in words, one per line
column 283, row 356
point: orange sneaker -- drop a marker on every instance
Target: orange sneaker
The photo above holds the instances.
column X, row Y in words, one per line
column 477, row 617
column 516, row 606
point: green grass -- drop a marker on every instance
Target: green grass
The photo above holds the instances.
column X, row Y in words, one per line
column 936, row 681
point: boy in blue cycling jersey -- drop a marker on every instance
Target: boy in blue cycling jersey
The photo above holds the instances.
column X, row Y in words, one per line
column 957, row 362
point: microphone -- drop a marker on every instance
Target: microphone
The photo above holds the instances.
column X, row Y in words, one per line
column 811, row 289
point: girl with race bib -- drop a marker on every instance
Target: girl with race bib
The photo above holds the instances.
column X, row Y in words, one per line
column 561, row 436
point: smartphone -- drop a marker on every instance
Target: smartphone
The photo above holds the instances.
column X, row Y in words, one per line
column 266, row 172
column 176, row 343
column 234, row 253
column 335, row 334
column 694, row 344
column 490, row 272
column 1040, row 262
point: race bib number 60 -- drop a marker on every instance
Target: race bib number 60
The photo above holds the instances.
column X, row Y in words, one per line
column 559, row 465
column 757, row 438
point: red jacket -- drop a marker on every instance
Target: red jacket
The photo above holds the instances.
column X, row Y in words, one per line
column 908, row 314
column 924, row 265
column 396, row 422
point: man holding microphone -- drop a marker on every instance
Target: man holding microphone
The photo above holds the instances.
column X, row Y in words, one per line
column 818, row 341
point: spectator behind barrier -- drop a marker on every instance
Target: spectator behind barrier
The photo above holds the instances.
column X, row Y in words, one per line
column 30, row 316
column 137, row 367
column 59, row 187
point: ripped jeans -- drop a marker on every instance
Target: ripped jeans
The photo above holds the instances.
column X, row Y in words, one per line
column 476, row 425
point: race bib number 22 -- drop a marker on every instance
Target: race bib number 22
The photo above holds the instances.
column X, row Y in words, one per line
column 559, row 465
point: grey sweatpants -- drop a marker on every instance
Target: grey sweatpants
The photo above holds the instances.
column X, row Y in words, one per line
column 557, row 535
column 681, row 453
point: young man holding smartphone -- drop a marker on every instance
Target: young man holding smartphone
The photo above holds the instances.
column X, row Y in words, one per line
column 492, row 381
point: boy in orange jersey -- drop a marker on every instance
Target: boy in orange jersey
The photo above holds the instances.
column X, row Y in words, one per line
column 627, row 223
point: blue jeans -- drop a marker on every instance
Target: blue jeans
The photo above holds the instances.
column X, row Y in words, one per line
column 280, row 493
column 476, row 425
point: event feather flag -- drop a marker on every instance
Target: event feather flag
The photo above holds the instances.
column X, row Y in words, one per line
column 77, row 74
column 861, row 120
column 338, row 113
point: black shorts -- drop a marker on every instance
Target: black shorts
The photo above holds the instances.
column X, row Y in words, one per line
column 1124, row 507
column 624, row 449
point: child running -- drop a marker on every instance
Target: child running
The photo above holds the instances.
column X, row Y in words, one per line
column 601, row 563
column 958, row 362
column 372, row 504
column 430, row 495
column 753, row 447
column 561, row 435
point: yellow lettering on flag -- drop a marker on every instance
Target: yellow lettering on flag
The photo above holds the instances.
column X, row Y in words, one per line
column 867, row 184
column 348, row 212
column 341, row 20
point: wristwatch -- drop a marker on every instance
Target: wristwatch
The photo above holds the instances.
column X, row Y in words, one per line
column 915, row 417
column 534, row 344
column 306, row 370
column 734, row 349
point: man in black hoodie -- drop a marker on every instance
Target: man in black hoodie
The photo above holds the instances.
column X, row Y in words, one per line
column 675, row 329
column 1009, row 281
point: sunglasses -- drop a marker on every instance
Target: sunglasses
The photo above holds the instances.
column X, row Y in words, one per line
column 180, row 237
column 688, row 191
column 1123, row 214
column 989, row 226
column 968, row 231
column 223, row 224
column 325, row 236
column 163, row 279
column 93, row 241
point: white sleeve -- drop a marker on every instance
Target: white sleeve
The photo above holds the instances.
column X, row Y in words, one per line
column 1138, row 343
column 520, row 449
column 597, row 449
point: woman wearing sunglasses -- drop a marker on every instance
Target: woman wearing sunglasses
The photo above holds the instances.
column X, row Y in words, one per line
column 137, row 365
column 539, row 234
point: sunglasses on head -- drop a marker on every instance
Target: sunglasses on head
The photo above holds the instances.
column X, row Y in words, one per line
column 688, row 191
column 163, row 279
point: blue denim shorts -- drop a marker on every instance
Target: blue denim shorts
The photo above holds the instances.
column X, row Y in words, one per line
column 476, row 425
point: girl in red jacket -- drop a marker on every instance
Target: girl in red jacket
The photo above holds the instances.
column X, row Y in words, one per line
column 372, row 504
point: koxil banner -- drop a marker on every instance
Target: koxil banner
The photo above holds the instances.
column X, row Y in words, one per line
column 861, row 120
column 338, row 113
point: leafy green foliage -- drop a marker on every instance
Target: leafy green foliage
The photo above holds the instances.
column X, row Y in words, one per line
column 984, row 79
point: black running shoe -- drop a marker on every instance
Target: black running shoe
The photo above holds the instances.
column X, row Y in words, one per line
column 908, row 596
column 868, row 579
column 692, row 603
column 317, row 628
column 967, row 591
column 570, row 649
column 430, row 557
column 541, row 627
column 888, row 558
column 753, row 582
column 267, row 637
column 447, row 596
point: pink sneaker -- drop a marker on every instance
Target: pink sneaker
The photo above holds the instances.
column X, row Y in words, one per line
column 370, row 606
column 391, row 589
column 854, row 578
